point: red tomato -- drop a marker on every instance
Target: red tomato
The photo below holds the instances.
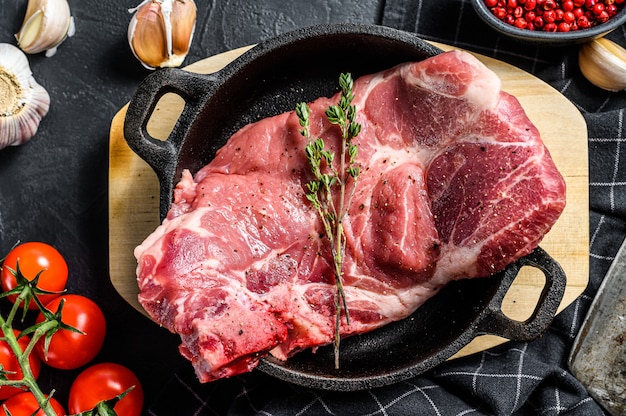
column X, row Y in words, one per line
column 103, row 382
column 9, row 363
column 25, row 404
column 68, row 349
column 33, row 257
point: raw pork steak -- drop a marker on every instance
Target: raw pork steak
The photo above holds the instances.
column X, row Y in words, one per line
column 455, row 183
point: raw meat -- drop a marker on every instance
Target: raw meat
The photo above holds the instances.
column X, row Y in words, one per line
column 455, row 183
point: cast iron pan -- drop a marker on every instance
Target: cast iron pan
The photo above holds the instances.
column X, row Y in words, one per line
column 269, row 79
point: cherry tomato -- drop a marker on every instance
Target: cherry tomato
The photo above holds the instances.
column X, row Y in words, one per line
column 9, row 363
column 105, row 381
column 68, row 349
column 25, row 404
column 33, row 257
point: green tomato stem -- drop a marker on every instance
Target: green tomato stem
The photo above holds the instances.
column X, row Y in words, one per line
column 28, row 379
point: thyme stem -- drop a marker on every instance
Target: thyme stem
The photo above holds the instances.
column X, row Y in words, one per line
column 320, row 189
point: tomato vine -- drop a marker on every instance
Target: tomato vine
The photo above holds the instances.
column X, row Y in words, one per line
column 64, row 336
column 26, row 291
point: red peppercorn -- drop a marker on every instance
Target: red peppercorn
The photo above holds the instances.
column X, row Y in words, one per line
column 567, row 5
column 549, row 5
column 590, row 3
column 569, row 17
column 520, row 23
column 598, row 8
column 603, row 17
column 499, row 12
column 491, row 3
column 563, row 27
column 538, row 22
column 578, row 12
column 550, row 27
column 530, row 4
column 583, row 22
column 549, row 16
column 530, row 16
column 558, row 14
column 579, row 3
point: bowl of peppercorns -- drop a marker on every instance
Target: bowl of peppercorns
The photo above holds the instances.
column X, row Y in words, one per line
column 555, row 22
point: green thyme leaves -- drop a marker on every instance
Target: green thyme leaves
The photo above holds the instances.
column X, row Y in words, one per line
column 330, row 177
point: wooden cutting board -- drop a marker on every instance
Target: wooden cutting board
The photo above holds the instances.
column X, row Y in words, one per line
column 134, row 189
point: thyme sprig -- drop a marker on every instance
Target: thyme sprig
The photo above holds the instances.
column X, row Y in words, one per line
column 327, row 177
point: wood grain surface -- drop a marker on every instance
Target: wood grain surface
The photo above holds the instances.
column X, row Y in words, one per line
column 134, row 190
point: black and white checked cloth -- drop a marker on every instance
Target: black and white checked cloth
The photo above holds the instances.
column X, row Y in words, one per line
column 520, row 378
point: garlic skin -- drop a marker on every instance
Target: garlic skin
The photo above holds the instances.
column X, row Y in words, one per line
column 23, row 102
column 603, row 63
column 160, row 32
column 46, row 25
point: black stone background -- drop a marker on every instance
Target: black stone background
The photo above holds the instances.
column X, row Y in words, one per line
column 54, row 188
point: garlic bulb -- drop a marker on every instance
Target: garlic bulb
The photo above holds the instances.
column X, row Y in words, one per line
column 47, row 24
column 160, row 32
column 23, row 102
column 603, row 63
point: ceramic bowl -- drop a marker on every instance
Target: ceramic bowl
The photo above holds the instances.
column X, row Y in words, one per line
column 548, row 38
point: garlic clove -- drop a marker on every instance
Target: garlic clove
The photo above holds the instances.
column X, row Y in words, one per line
column 182, row 32
column 147, row 37
column 23, row 102
column 46, row 25
column 160, row 32
column 603, row 63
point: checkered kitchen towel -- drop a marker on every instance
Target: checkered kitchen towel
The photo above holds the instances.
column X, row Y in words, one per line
column 520, row 378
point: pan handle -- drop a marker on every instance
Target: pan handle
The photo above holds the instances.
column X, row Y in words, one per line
column 497, row 323
column 162, row 155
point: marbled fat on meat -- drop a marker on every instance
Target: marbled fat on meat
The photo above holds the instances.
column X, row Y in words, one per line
column 455, row 183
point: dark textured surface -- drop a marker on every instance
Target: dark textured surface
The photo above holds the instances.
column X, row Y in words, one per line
column 54, row 188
